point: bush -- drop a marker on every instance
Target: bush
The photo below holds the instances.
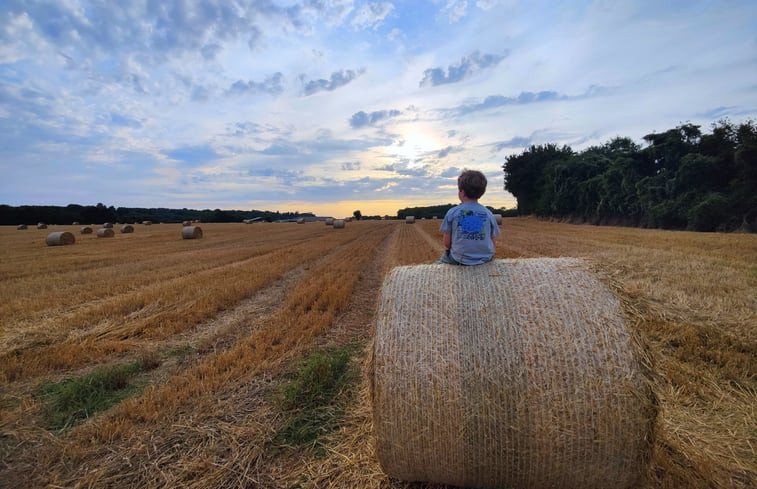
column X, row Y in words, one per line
column 709, row 213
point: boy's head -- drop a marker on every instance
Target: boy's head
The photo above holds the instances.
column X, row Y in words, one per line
column 472, row 183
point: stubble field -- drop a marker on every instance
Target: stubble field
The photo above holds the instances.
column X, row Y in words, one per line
column 207, row 334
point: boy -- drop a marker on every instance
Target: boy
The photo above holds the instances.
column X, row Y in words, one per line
column 469, row 229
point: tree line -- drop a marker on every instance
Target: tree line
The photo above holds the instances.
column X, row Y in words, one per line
column 90, row 214
column 681, row 179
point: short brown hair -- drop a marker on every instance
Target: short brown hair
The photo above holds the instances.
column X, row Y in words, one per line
column 473, row 183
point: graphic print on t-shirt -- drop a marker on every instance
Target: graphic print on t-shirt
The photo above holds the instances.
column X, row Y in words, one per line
column 472, row 225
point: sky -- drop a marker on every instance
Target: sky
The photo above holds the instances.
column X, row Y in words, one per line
column 331, row 106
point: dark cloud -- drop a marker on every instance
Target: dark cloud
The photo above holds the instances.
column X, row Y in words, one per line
column 351, row 166
column 457, row 72
column 446, row 151
column 272, row 85
column 515, row 142
column 361, row 119
column 524, row 98
column 402, row 168
column 452, row 171
column 337, row 79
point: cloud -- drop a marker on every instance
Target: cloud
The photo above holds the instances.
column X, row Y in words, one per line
column 450, row 172
column 371, row 15
column 515, row 142
column 193, row 155
column 524, row 98
column 272, row 85
column 361, row 119
column 468, row 66
column 402, row 168
column 455, row 10
column 337, row 79
column 351, row 166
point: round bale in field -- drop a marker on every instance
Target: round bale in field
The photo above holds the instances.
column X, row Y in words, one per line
column 300, row 220
column 41, row 225
column 21, row 226
column 105, row 233
column 498, row 218
column 191, row 232
column 108, row 225
column 516, row 373
column 147, row 223
column 85, row 230
column 329, row 221
column 186, row 223
column 60, row 238
column 338, row 224
column 409, row 219
column 127, row 228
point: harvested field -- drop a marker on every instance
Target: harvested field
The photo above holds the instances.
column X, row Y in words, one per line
column 220, row 324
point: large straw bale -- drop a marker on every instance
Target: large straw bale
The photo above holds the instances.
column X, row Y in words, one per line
column 191, row 232
column 409, row 219
column 60, row 238
column 127, row 228
column 21, row 226
column 516, row 373
column 105, row 233
column 85, row 230
column 338, row 224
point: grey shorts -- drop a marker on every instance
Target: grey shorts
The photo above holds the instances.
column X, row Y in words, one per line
column 446, row 258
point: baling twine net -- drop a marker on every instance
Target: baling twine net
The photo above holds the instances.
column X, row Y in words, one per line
column 514, row 374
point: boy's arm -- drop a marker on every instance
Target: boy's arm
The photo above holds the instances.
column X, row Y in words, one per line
column 447, row 240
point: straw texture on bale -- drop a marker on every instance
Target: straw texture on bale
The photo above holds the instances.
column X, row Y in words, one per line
column 105, row 233
column 516, row 373
column 85, row 230
column 338, row 223
column 329, row 221
column 108, row 225
column 127, row 228
column 409, row 219
column 21, row 226
column 191, row 232
column 60, row 238
column 41, row 225
column 498, row 217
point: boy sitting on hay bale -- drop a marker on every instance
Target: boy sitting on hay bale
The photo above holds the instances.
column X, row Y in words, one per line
column 469, row 229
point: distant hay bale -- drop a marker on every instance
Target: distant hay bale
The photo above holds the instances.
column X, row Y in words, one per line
column 516, row 373
column 246, row 221
column 60, row 238
column 329, row 221
column 75, row 223
column 300, row 220
column 147, row 223
column 191, row 232
column 127, row 228
column 409, row 219
column 338, row 223
column 498, row 217
column 186, row 223
column 41, row 225
column 85, row 230
column 21, row 226
column 108, row 225
column 105, row 233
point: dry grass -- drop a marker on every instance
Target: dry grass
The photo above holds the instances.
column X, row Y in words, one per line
column 206, row 419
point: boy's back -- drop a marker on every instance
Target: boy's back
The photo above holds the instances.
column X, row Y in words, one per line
column 471, row 227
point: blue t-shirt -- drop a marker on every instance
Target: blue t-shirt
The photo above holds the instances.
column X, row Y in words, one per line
column 472, row 228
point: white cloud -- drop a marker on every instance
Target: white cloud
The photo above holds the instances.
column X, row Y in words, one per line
column 371, row 15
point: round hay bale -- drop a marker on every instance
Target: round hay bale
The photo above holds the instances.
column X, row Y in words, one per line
column 41, row 225
column 105, row 233
column 147, row 223
column 127, row 228
column 516, row 373
column 338, row 224
column 75, row 223
column 300, row 220
column 85, row 230
column 409, row 219
column 60, row 238
column 329, row 221
column 186, row 223
column 21, row 226
column 191, row 232
column 498, row 217
column 108, row 225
